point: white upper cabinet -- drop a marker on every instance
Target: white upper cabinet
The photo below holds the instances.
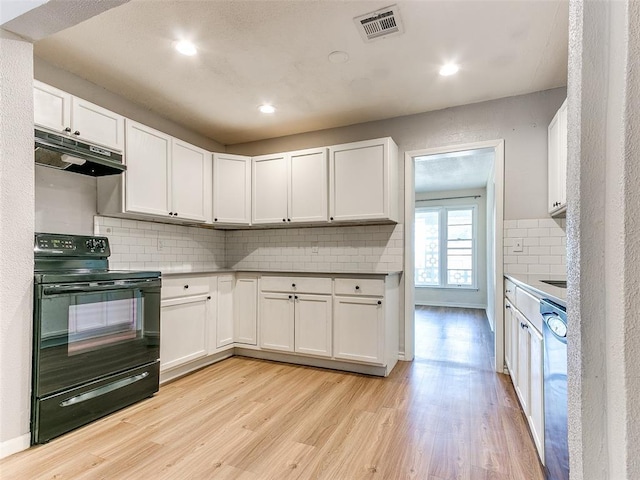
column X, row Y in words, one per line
column 165, row 176
column 52, row 107
column 231, row 189
column 364, row 181
column 63, row 113
column 270, row 189
column 148, row 170
column 308, row 186
column 190, row 181
column 557, row 161
column 290, row 187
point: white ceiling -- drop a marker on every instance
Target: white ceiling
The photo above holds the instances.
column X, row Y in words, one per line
column 453, row 171
column 251, row 52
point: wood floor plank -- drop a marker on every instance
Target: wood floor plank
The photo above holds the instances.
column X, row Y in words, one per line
column 446, row 415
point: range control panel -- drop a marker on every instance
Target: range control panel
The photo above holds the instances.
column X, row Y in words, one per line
column 54, row 244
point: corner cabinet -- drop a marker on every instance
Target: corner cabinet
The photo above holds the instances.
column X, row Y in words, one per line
column 165, row 178
column 65, row 114
column 363, row 181
column 290, row 187
column 557, row 162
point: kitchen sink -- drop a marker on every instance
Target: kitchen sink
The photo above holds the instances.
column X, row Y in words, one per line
column 556, row 283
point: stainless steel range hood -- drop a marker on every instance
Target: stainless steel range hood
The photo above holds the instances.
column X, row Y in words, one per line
column 64, row 153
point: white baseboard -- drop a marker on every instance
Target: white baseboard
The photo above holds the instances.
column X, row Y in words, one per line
column 15, row 445
column 449, row 304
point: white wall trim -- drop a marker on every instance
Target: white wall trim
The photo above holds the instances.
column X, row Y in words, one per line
column 409, row 225
column 15, row 445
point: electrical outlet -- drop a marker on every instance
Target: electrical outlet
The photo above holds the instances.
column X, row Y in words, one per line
column 109, row 230
column 517, row 245
column 314, row 249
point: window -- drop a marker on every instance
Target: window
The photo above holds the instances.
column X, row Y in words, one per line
column 445, row 247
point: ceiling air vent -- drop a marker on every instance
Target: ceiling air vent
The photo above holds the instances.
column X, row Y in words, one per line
column 381, row 23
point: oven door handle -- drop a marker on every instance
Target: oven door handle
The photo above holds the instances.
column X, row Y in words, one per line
column 99, row 287
column 96, row 392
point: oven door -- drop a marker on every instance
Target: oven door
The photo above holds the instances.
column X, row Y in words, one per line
column 84, row 331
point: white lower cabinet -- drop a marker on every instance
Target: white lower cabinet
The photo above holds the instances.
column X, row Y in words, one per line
column 196, row 319
column 295, row 314
column 359, row 329
column 524, row 356
column 344, row 323
column 313, row 324
column 276, row 321
column 524, row 347
column 224, row 317
column 183, row 330
column 536, row 390
column 245, row 309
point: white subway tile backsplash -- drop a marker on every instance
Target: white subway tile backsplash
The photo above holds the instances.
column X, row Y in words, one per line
column 544, row 246
column 528, row 223
column 370, row 248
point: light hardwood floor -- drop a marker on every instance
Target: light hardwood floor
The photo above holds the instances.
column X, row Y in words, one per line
column 446, row 415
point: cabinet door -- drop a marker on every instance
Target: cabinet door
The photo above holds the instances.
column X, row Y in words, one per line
column 514, row 332
column 276, row 321
column 557, row 160
column 313, row 324
column 308, row 186
column 147, row 175
column 269, row 192
column 231, row 189
column 358, row 329
column 245, row 310
column 536, row 389
column 51, row 107
column 224, row 323
column 190, row 181
column 184, row 327
column 507, row 335
column 524, row 355
column 562, row 154
column 358, row 188
column 96, row 124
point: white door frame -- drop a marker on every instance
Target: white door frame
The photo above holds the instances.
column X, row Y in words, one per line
column 409, row 240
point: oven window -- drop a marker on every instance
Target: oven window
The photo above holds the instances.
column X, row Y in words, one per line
column 98, row 320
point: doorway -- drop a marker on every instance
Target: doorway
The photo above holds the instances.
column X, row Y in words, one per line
column 454, row 199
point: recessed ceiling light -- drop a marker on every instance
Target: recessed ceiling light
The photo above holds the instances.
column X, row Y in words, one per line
column 266, row 108
column 185, row 47
column 449, row 69
column 338, row 56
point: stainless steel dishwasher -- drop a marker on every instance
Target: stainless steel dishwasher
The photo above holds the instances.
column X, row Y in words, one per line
column 556, row 449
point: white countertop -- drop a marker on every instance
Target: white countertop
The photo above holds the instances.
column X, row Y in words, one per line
column 534, row 284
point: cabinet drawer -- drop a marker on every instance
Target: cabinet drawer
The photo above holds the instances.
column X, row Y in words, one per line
column 510, row 290
column 529, row 306
column 184, row 286
column 359, row 286
column 296, row 284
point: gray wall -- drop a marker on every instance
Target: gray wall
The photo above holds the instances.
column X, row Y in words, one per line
column 472, row 298
column 16, row 240
column 56, row 77
column 603, row 193
column 521, row 121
